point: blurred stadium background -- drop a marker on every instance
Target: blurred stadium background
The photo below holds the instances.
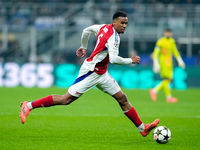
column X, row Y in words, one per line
column 48, row 32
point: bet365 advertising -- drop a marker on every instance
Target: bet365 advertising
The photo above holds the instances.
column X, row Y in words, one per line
column 63, row 75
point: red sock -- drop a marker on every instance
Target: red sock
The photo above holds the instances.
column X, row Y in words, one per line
column 133, row 116
column 43, row 102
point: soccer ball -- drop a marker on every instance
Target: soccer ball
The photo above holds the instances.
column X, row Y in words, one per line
column 162, row 134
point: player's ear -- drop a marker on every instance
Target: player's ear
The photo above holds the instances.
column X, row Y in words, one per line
column 114, row 21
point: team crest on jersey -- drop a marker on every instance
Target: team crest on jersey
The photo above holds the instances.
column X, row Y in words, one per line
column 116, row 44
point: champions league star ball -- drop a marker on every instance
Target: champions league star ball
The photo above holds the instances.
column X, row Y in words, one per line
column 162, row 134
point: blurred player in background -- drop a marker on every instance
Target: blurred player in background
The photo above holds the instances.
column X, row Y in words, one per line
column 94, row 72
column 162, row 62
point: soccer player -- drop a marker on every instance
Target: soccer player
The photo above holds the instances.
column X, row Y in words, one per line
column 162, row 62
column 93, row 72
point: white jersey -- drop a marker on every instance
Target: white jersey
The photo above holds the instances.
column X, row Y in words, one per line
column 106, row 49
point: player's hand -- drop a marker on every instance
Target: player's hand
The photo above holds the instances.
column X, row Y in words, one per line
column 181, row 63
column 81, row 52
column 156, row 66
column 135, row 59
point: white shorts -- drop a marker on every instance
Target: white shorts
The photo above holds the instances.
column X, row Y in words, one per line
column 89, row 79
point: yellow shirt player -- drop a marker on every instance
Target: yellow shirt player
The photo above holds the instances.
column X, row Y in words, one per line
column 162, row 62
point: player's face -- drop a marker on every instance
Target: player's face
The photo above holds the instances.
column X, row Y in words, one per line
column 120, row 24
column 168, row 34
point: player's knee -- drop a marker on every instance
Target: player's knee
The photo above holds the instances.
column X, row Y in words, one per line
column 168, row 79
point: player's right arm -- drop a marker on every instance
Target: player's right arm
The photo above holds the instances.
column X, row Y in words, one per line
column 156, row 52
column 91, row 30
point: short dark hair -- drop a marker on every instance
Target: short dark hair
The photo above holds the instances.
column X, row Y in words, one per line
column 119, row 14
column 168, row 30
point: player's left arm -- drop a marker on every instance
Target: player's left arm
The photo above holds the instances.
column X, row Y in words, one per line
column 113, row 50
column 177, row 55
column 115, row 59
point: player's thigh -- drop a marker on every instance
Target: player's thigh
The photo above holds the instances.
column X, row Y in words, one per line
column 108, row 84
column 166, row 72
column 83, row 83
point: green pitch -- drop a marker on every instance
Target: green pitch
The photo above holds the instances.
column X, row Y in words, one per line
column 96, row 122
